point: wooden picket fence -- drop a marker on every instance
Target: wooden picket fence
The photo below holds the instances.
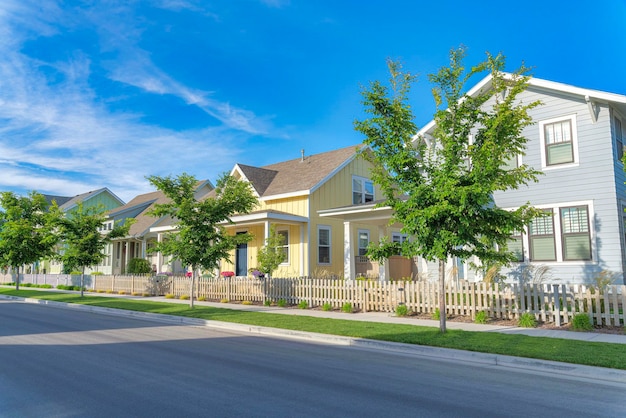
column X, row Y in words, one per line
column 549, row 303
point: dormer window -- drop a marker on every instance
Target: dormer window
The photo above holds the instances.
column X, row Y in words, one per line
column 362, row 190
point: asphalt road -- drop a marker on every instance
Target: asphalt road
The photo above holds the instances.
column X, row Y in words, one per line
column 64, row 363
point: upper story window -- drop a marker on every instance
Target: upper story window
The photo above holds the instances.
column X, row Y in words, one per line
column 362, row 190
column 558, row 140
column 619, row 138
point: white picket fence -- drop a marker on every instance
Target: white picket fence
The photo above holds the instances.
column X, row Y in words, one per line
column 549, row 303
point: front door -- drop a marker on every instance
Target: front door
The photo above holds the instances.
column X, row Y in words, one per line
column 241, row 259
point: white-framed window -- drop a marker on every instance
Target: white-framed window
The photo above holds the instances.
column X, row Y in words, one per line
column 576, row 236
column 364, row 241
column 558, row 142
column 541, row 236
column 619, row 142
column 324, row 241
column 284, row 234
column 362, row 190
column 516, row 245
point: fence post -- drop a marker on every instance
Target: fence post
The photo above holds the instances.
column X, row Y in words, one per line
column 557, row 304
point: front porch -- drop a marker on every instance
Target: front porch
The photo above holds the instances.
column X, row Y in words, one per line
column 399, row 267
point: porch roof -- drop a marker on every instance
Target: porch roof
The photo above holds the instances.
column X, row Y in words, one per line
column 372, row 213
column 268, row 215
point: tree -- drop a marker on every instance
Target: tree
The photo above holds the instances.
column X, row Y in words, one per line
column 272, row 253
column 441, row 188
column 200, row 238
column 27, row 232
column 82, row 240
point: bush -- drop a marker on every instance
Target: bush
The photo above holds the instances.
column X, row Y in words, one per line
column 139, row 266
column 224, row 301
column 121, row 292
column 347, row 308
column 303, row 304
column 581, row 322
column 169, row 296
column 402, row 310
column 247, row 302
column 527, row 320
column 481, row 317
column 281, row 303
column 267, row 302
column 327, row 307
column 202, row 298
column 184, row 297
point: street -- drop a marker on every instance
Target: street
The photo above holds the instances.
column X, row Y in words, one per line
column 64, row 363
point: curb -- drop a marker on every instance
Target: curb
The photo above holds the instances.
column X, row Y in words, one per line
column 496, row 360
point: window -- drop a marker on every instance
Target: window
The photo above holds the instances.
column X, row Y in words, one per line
column 558, row 141
column 516, row 245
column 284, row 234
column 323, row 244
column 362, row 190
column 510, row 163
column 618, row 139
column 575, row 230
column 541, row 236
column 364, row 241
column 399, row 238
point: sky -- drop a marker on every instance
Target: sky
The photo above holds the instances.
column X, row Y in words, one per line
column 103, row 93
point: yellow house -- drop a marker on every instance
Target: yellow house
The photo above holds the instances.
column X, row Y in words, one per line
column 293, row 196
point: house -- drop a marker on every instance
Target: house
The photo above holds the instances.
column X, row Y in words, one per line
column 141, row 237
column 101, row 198
column 291, row 195
column 577, row 142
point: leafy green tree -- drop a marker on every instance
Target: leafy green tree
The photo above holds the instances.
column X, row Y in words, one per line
column 200, row 239
column 441, row 187
column 83, row 242
column 27, row 230
column 272, row 253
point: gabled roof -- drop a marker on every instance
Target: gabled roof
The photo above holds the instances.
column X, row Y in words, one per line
column 298, row 176
column 139, row 207
column 67, row 202
column 589, row 95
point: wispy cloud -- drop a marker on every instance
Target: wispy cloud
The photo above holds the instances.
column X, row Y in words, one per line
column 57, row 136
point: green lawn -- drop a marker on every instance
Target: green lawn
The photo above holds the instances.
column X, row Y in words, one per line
column 570, row 351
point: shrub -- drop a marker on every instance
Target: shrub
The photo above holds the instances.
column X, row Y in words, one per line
column 169, row 296
column 139, row 266
column 224, row 300
column 184, row 297
column 402, row 310
column 121, row 292
column 481, row 317
column 108, row 291
column 581, row 322
column 97, row 273
column 281, row 303
column 303, row 304
column 347, row 307
column 267, row 302
column 527, row 320
column 436, row 315
column 145, row 295
column 327, row 307
column 202, row 298
column 136, row 294
column 247, row 302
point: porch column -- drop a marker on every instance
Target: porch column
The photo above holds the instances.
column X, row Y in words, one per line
column 267, row 231
column 159, row 255
column 383, row 266
column 301, row 250
column 127, row 257
column 144, row 246
column 349, row 268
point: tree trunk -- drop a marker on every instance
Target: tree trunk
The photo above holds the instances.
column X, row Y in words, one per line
column 17, row 279
column 442, row 296
column 193, row 282
column 82, row 281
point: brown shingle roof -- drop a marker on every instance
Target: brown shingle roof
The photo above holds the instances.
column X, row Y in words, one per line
column 297, row 174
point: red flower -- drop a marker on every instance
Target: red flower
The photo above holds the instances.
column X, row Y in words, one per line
column 228, row 273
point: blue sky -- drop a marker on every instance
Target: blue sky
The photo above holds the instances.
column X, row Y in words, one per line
column 103, row 93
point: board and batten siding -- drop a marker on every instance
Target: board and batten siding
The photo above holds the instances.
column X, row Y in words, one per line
column 334, row 193
column 596, row 178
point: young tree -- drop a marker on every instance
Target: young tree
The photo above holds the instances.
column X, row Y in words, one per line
column 272, row 253
column 82, row 240
column 27, row 232
column 440, row 188
column 200, row 239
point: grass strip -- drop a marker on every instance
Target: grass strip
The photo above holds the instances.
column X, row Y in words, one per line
column 544, row 348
